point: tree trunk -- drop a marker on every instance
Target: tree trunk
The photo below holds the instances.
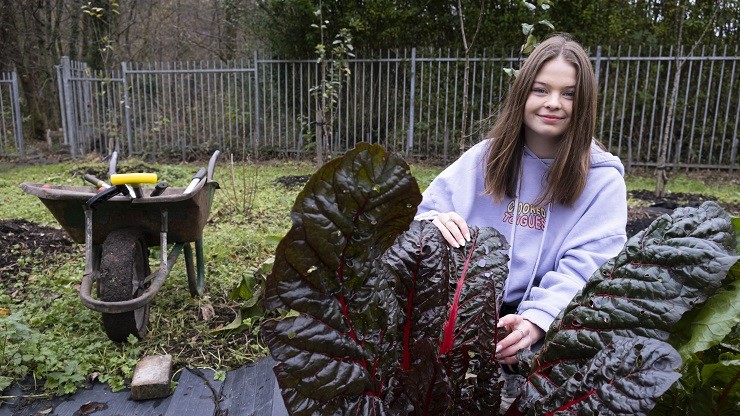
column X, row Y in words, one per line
column 661, row 176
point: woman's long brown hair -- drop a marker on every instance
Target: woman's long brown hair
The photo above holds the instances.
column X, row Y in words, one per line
column 567, row 175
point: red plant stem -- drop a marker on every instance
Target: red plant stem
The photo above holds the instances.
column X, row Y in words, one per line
column 571, row 403
column 513, row 410
column 406, row 362
column 343, row 301
column 428, row 398
column 449, row 332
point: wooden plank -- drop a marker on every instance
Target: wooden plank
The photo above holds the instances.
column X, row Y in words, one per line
column 195, row 394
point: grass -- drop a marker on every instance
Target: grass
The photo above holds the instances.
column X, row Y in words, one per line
column 51, row 336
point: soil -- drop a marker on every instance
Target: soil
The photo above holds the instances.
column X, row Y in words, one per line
column 19, row 238
column 293, row 181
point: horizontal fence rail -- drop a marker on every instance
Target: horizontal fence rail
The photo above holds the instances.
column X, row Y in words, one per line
column 409, row 101
column 11, row 124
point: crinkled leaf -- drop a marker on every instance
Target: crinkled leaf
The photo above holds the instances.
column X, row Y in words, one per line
column 478, row 272
column 674, row 265
column 625, row 377
column 470, row 335
column 424, row 389
column 426, row 273
column 419, row 264
column 325, row 268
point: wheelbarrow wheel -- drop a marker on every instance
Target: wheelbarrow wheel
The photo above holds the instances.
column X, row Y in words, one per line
column 124, row 267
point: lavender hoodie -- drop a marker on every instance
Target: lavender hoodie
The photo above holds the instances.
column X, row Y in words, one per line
column 554, row 249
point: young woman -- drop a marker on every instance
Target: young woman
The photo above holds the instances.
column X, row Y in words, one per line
column 544, row 182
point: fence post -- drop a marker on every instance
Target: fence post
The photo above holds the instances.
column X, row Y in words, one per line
column 597, row 66
column 410, row 139
column 127, row 109
column 256, row 108
column 17, row 119
column 67, row 107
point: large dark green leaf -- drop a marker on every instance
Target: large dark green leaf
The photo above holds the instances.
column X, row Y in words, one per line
column 625, row 377
column 335, row 354
column 674, row 265
column 470, row 335
column 419, row 264
column 426, row 268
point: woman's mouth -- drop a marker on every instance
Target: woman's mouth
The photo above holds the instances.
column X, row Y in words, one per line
column 549, row 118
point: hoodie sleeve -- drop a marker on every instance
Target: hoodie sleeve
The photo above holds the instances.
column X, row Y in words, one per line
column 598, row 235
column 452, row 189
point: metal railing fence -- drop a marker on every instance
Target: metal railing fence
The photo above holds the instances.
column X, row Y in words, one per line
column 11, row 121
column 408, row 101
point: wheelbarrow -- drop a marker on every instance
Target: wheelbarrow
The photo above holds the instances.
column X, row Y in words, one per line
column 118, row 225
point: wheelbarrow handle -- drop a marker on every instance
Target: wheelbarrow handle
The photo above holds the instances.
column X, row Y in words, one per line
column 95, row 181
column 199, row 175
column 133, row 179
column 212, row 164
column 107, row 194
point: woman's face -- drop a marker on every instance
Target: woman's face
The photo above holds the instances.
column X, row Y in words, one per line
column 549, row 106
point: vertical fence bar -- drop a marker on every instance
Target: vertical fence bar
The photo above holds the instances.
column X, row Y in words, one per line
column 257, row 133
column 706, row 103
column 716, row 107
column 412, row 92
column 126, row 108
column 17, row 119
column 727, row 111
column 630, row 156
column 679, row 144
column 71, row 134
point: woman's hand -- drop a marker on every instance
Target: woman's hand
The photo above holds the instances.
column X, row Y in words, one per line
column 454, row 228
column 521, row 335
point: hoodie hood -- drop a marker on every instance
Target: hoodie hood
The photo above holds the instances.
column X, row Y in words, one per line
column 600, row 158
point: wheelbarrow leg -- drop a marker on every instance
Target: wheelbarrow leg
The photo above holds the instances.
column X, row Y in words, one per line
column 196, row 281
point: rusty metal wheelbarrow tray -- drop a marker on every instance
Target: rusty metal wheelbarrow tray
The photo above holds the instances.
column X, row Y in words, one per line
column 188, row 213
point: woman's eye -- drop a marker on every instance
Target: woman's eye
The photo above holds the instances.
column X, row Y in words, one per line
column 569, row 94
column 538, row 90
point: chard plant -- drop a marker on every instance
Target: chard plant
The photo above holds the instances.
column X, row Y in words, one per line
column 386, row 318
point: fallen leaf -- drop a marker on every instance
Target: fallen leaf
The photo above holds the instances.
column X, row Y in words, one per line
column 91, row 407
column 44, row 412
column 207, row 312
column 4, row 312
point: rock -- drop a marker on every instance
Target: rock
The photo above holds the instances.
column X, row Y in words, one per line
column 152, row 377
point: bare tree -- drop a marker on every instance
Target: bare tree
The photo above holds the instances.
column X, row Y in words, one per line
column 661, row 174
column 466, row 72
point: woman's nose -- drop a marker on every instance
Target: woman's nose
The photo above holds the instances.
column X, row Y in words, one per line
column 553, row 101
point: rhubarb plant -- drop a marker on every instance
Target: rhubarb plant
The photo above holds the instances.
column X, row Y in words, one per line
column 384, row 317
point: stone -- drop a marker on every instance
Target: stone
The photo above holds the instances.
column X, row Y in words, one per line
column 152, row 377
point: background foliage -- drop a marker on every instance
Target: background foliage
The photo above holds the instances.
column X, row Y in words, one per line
column 34, row 35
